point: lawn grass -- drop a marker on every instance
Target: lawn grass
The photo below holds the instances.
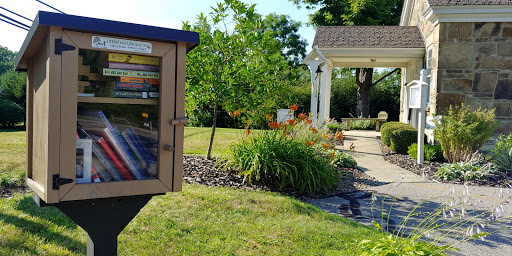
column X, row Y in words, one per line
column 197, row 221
column 197, row 140
column 12, row 152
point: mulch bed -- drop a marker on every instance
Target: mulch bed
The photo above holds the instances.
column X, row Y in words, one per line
column 428, row 170
column 199, row 170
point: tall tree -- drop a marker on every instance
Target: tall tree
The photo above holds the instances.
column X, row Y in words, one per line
column 6, row 59
column 12, row 85
column 237, row 66
column 355, row 12
column 286, row 31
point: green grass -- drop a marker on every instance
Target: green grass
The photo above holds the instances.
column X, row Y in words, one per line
column 197, row 221
column 197, row 140
column 12, row 152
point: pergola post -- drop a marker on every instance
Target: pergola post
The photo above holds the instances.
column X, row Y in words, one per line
column 325, row 94
column 313, row 67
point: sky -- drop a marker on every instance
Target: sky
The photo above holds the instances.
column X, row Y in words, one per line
column 162, row 13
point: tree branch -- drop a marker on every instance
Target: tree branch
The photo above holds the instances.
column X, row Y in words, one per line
column 384, row 77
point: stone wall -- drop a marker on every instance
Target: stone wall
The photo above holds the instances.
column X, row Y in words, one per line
column 474, row 68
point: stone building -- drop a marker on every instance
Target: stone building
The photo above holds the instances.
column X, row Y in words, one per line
column 465, row 48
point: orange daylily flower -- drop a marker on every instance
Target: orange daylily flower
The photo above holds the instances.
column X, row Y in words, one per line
column 309, row 143
column 294, row 107
column 313, row 129
column 333, row 154
column 273, row 125
column 268, row 117
column 283, row 125
column 339, row 134
column 302, row 116
column 248, row 131
column 236, row 113
column 290, row 121
column 308, row 120
column 325, row 136
column 326, row 146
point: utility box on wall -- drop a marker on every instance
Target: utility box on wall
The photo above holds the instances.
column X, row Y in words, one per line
column 105, row 107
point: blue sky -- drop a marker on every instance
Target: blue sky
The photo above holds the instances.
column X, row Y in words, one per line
column 164, row 13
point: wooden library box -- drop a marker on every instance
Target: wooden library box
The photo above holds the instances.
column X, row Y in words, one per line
column 105, row 107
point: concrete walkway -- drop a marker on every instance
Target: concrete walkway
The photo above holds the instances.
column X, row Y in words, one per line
column 399, row 199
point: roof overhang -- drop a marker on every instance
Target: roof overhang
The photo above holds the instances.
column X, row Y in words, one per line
column 369, row 57
column 469, row 13
column 44, row 20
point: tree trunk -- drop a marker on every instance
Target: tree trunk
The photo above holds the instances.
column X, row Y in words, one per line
column 209, row 154
column 364, row 80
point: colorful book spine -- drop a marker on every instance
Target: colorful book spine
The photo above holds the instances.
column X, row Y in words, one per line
column 130, row 94
column 123, row 152
column 114, row 158
column 94, row 174
column 140, row 80
column 135, row 87
column 130, row 73
column 131, row 66
column 136, row 153
column 101, row 170
column 154, row 94
column 109, row 166
column 130, row 58
column 149, row 158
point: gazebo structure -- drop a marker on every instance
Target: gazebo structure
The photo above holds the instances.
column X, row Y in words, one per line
column 362, row 47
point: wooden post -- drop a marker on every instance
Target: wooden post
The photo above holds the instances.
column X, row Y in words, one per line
column 325, row 94
column 313, row 66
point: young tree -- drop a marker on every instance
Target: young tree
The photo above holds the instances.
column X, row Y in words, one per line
column 355, row 12
column 237, row 66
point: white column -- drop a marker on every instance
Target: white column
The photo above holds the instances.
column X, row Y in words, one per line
column 325, row 94
column 422, row 117
column 313, row 66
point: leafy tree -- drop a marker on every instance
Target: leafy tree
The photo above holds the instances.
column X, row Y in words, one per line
column 6, row 59
column 355, row 12
column 236, row 67
column 13, row 86
column 10, row 114
column 285, row 30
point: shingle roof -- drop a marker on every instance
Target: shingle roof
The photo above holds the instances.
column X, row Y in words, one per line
column 368, row 37
column 468, row 2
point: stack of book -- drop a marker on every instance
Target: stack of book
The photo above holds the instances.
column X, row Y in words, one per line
column 117, row 153
column 139, row 75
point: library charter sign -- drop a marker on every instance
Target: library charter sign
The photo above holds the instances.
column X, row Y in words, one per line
column 109, row 43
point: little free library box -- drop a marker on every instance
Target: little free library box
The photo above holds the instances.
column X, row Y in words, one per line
column 105, row 107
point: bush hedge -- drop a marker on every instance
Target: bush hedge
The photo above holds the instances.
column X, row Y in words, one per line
column 398, row 136
column 11, row 113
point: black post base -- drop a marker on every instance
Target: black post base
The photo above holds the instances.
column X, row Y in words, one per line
column 102, row 219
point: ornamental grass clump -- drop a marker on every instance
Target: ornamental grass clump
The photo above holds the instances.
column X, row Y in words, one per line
column 282, row 161
column 461, row 131
column 501, row 154
column 474, row 167
column 434, row 232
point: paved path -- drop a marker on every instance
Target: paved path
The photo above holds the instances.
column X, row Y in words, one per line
column 402, row 197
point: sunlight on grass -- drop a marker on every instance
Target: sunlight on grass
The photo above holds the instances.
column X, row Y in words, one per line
column 197, row 221
column 12, row 151
column 197, row 140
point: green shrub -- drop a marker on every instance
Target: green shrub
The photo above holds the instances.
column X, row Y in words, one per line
column 282, row 161
column 11, row 113
column 393, row 245
column 475, row 167
column 362, row 125
column 386, row 129
column 431, row 152
column 343, row 160
column 335, row 127
column 501, row 154
column 462, row 130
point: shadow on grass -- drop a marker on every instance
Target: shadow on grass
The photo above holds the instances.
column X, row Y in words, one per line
column 195, row 133
column 42, row 231
column 49, row 213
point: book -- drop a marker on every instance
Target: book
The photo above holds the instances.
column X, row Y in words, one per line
column 83, row 160
column 94, row 174
column 149, row 158
column 130, row 73
column 129, row 94
column 140, row 80
column 135, row 150
column 154, row 94
column 130, row 66
column 81, row 94
column 130, row 58
column 114, row 158
column 101, row 157
column 135, row 87
column 101, row 170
